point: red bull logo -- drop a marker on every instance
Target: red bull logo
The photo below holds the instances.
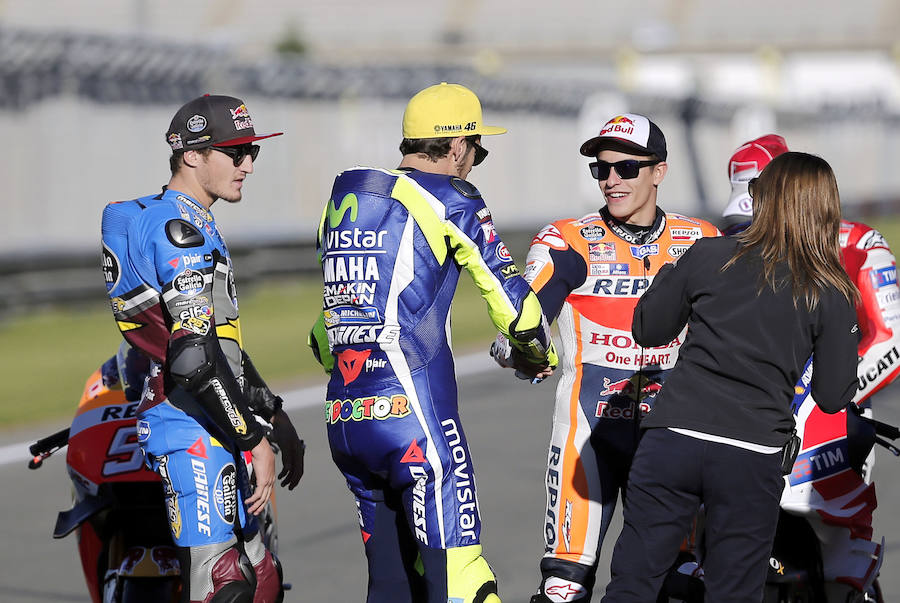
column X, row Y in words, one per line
column 618, row 125
column 240, row 112
column 638, row 387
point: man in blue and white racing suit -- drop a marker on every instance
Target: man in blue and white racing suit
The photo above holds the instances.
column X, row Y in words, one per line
column 171, row 288
column 392, row 244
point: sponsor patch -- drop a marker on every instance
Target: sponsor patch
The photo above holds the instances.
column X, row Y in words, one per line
column 601, row 252
column 676, row 251
column 563, row 591
column 593, row 233
column 196, row 123
column 685, row 234
column 366, row 408
column 109, row 264
column 489, row 232
column 351, row 363
column 352, row 315
column 532, row 269
column 609, row 269
column 226, row 493
column 503, row 253
column 640, row 252
column 175, row 141
column 884, row 277
column 143, row 431
column 509, row 271
column 189, row 282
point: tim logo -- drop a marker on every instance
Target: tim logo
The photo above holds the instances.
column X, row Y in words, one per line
column 336, row 212
column 884, row 277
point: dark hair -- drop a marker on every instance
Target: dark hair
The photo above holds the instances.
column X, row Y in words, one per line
column 433, row 148
column 177, row 158
column 796, row 219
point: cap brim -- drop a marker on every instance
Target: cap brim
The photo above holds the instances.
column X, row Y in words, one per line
column 740, row 204
column 490, row 130
column 604, row 143
column 244, row 140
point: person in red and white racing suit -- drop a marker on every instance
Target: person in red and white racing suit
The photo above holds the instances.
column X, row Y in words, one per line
column 589, row 273
column 824, row 488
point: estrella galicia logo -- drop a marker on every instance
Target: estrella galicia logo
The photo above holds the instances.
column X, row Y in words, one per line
column 226, row 493
column 641, row 251
column 189, row 282
column 143, row 431
column 109, row 264
column 336, row 213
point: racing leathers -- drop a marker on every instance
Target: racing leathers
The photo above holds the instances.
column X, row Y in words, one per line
column 171, row 287
column 824, row 488
column 392, row 244
column 589, row 274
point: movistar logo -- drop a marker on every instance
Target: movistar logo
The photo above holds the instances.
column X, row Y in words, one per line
column 336, row 214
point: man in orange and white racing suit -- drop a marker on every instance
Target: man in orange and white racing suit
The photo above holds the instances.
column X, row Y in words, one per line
column 826, row 487
column 589, row 272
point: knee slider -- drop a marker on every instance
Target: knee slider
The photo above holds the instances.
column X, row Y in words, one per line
column 469, row 576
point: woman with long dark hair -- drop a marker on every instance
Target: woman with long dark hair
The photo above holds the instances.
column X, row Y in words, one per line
column 757, row 306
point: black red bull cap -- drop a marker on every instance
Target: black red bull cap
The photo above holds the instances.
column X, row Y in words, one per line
column 630, row 133
column 212, row 121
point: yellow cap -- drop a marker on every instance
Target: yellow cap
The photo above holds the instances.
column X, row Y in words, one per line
column 445, row 111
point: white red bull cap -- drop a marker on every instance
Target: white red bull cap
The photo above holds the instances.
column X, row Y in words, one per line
column 745, row 164
column 629, row 132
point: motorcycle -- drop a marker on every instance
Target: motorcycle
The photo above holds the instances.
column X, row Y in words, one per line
column 119, row 513
column 833, row 462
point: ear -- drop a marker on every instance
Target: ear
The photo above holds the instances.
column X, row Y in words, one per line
column 659, row 172
column 458, row 149
column 191, row 158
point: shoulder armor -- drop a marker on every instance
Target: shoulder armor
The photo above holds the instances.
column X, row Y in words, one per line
column 183, row 234
column 464, row 188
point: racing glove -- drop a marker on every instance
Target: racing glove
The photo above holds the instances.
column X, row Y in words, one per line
column 292, row 449
column 508, row 355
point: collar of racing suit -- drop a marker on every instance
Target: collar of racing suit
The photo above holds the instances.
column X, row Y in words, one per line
column 632, row 233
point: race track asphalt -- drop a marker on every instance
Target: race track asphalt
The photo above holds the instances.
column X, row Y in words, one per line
column 507, row 424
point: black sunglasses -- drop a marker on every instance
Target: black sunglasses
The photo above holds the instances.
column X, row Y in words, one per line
column 626, row 169
column 751, row 184
column 239, row 152
column 480, row 151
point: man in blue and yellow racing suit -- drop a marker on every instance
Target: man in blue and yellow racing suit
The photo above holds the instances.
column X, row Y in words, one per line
column 392, row 244
column 171, row 286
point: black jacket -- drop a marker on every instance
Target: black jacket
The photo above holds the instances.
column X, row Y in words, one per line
column 744, row 351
